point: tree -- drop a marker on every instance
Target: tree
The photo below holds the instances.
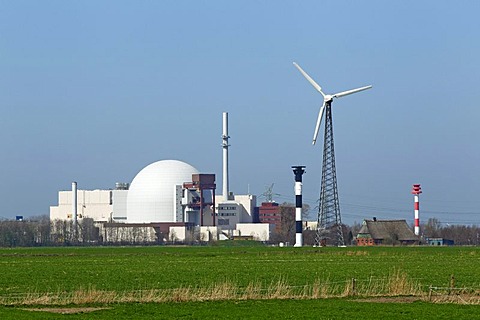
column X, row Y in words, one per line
column 287, row 224
column 286, row 231
column 41, row 229
column 89, row 233
column 173, row 237
column 432, row 228
column 27, row 233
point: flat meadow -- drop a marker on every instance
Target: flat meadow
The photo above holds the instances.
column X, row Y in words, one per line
column 168, row 281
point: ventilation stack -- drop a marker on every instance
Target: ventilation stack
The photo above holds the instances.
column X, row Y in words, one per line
column 225, row 146
column 74, row 209
column 416, row 190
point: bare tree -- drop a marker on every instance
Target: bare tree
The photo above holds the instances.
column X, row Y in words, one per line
column 286, row 231
column 34, row 231
column 88, row 232
column 432, row 228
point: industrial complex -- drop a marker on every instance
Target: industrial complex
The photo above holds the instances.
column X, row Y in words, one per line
column 171, row 200
column 168, row 199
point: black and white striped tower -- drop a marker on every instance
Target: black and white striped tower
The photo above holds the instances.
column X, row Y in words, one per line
column 298, row 171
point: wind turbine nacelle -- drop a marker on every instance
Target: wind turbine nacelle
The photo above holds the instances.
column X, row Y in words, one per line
column 328, row 98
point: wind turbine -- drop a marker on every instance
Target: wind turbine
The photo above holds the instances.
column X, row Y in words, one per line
column 327, row 98
column 329, row 208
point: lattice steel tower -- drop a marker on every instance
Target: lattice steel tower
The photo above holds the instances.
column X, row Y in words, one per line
column 329, row 221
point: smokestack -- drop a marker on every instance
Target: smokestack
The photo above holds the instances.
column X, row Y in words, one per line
column 416, row 190
column 298, row 171
column 74, row 207
column 225, row 146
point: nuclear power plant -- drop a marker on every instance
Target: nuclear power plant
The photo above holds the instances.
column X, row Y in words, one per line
column 166, row 200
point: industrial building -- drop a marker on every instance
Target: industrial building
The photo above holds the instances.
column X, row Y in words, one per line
column 168, row 193
column 166, row 197
column 439, row 242
column 99, row 205
column 156, row 194
column 269, row 212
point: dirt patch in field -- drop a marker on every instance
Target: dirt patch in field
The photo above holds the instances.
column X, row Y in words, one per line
column 66, row 310
column 390, row 299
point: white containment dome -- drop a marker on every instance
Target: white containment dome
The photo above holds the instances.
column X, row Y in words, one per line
column 151, row 196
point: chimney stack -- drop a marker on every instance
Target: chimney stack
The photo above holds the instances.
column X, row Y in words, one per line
column 225, row 146
column 74, row 209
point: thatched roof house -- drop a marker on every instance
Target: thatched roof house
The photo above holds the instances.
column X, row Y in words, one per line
column 376, row 232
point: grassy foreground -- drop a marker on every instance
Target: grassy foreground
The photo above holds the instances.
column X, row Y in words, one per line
column 251, row 282
column 258, row 309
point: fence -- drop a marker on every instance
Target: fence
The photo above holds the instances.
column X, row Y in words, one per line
column 395, row 285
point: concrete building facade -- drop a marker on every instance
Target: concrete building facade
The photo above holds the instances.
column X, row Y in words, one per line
column 99, row 205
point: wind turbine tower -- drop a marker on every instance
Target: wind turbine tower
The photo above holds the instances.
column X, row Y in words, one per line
column 329, row 221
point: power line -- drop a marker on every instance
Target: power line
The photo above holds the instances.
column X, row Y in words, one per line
column 389, row 212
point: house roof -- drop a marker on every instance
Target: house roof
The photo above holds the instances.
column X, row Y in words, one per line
column 382, row 229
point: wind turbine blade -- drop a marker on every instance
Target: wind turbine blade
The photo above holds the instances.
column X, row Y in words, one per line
column 319, row 122
column 346, row 93
column 312, row 82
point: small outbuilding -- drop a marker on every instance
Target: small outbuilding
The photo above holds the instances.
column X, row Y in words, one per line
column 439, row 242
column 385, row 232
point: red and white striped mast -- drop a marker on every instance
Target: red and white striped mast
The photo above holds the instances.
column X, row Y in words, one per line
column 416, row 190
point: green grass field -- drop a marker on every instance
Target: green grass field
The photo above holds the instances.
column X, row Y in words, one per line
column 255, row 280
column 261, row 309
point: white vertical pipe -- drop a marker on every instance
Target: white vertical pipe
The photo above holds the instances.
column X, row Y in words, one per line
column 74, row 207
column 225, row 155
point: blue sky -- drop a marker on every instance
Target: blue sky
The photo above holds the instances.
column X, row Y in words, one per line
column 93, row 91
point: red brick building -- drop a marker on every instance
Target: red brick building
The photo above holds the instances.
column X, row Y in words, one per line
column 269, row 212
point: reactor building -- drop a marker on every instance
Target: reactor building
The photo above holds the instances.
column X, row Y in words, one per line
column 156, row 194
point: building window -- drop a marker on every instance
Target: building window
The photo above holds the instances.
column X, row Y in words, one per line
column 223, row 222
